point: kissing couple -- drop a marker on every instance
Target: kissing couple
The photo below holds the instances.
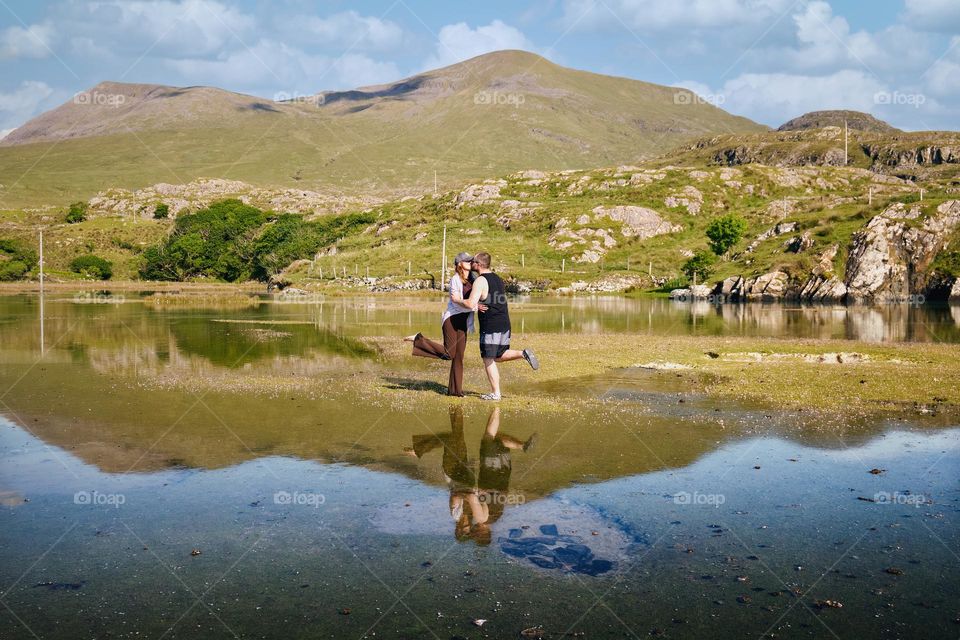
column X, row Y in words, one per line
column 482, row 291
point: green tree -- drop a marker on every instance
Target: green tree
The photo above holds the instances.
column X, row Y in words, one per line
column 232, row 241
column 77, row 212
column 214, row 242
column 724, row 232
column 16, row 261
column 92, row 266
column 700, row 265
column 162, row 211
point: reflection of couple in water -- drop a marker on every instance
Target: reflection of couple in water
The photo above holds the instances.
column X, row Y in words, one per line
column 477, row 498
column 474, row 287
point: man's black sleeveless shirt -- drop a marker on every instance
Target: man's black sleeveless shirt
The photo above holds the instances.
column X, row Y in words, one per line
column 496, row 318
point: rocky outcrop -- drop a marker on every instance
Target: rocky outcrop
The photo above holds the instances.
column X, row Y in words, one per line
column 768, row 287
column 689, row 197
column 822, row 285
column 892, row 155
column 591, row 243
column 890, row 258
column 200, row 193
column 479, row 194
column 779, row 229
column 799, row 244
column 638, row 222
column 693, row 292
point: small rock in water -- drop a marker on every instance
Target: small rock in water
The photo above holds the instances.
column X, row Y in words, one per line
column 894, row 571
column 877, row 472
column 195, row 552
column 479, row 622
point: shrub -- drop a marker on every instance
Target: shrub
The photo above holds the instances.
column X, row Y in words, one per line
column 16, row 261
column 947, row 263
column 77, row 212
column 162, row 211
column 700, row 266
column 92, row 266
column 214, row 242
column 232, row 241
column 724, row 232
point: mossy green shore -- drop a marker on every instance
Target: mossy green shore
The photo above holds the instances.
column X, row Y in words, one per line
column 839, row 379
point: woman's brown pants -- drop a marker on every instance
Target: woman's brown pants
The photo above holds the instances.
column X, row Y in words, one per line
column 453, row 347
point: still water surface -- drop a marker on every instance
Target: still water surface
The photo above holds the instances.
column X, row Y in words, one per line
column 130, row 510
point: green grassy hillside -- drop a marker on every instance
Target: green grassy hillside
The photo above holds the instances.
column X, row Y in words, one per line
column 553, row 229
column 488, row 116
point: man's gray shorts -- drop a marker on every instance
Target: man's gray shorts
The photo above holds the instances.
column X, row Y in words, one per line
column 494, row 345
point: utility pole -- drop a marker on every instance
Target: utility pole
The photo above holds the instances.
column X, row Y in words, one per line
column 434, row 182
column 443, row 260
column 41, row 260
column 845, row 146
column 42, row 337
column 870, row 197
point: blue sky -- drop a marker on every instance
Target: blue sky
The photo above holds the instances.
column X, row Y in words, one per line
column 769, row 60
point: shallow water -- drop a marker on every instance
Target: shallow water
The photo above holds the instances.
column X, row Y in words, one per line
column 131, row 510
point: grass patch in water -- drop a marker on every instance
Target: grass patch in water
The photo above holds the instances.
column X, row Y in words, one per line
column 208, row 300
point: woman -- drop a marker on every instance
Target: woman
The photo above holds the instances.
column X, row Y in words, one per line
column 457, row 321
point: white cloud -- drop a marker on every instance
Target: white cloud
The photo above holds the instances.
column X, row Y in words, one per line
column 348, row 30
column 24, row 102
column 5, row 132
column 933, row 15
column 457, row 42
column 33, row 42
column 774, row 98
column 271, row 67
column 943, row 77
column 176, row 29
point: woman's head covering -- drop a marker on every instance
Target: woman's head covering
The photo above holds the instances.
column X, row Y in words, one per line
column 463, row 256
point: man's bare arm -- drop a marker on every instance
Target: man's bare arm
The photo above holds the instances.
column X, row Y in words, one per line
column 479, row 290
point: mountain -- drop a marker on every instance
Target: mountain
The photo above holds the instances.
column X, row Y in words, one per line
column 490, row 115
column 854, row 120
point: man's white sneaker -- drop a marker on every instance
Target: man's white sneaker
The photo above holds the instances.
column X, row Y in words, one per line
column 490, row 396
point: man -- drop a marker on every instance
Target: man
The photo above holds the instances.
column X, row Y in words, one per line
column 490, row 297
